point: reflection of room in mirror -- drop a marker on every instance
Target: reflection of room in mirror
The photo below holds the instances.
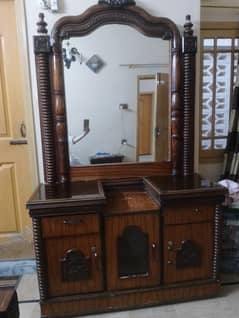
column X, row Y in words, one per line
column 98, row 96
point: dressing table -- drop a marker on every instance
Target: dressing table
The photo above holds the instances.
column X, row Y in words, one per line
column 125, row 235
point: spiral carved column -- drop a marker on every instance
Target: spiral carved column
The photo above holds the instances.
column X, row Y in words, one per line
column 40, row 258
column 42, row 51
column 189, row 53
column 217, row 243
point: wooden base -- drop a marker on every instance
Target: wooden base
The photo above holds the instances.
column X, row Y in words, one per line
column 125, row 300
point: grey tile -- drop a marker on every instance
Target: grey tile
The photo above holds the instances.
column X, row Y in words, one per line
column 28, row 288
column 29, row 310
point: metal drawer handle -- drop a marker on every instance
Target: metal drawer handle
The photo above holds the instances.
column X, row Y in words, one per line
column 73, row 222
column 15, row 142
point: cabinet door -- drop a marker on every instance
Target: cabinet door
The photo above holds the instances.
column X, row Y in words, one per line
column 188, row 252
column 74, row 265
column 132, row 251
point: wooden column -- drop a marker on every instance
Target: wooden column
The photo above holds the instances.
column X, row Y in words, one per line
column 42, row 51
column 176, row 107
column 59, row 115
column 189, row 54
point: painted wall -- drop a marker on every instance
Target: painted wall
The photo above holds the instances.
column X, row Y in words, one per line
column 175, row 10
column 113, row 85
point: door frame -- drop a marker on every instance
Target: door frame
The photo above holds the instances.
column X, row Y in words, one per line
column 139, row 78
column 26, row 86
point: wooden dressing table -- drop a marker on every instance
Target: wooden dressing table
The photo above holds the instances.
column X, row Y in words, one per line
column 120, row 236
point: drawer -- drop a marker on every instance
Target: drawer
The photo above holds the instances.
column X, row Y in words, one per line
column 70, row 225
column 188, row 214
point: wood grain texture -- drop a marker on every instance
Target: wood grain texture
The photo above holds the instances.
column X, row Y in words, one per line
column 85, row 24
column 202, row 235
column 145, row 124
column 114, row 227
column 188, row 213
column 55, row 251
column 107, row 302
column 126, row 201
column 70, row 225
column 118, row 171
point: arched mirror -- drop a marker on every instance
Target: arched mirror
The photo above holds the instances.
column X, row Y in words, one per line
column 121, row 86
column 126, row 75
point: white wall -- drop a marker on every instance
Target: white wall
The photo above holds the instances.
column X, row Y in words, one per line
column 113, row 85
column 175, row 10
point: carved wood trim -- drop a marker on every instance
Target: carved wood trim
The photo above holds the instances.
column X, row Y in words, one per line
column 86, row 23
column 40, row 258
column 42, row 49
column 52, row 99
column 217, row 243
column 189, row 61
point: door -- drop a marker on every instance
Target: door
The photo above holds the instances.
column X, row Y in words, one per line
column 17, row 178
column 145, row 124
column 132, row 251
column 162, row 118
column 188, row 252
column 74, row 265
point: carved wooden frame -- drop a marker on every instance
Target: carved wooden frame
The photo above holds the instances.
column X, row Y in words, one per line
column 50, row 78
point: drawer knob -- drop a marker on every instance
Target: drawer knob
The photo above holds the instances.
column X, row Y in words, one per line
column 196, row 210
column 170, row 262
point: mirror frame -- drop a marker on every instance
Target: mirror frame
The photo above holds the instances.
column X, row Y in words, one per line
column 50, row 78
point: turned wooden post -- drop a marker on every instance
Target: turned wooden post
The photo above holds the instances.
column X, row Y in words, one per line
column 189, row 60
column 42, row 51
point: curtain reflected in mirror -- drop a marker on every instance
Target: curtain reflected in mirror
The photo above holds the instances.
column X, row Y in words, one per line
column 116, row 80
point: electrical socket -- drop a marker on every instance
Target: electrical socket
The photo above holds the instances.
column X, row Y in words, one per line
column 123, row 106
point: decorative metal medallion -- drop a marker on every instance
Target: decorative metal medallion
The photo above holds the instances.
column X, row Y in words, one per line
column 118, row 3
column 95, row 63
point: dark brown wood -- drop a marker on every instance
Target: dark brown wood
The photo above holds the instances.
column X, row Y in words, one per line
column 61, row 307
column 40, row 258
column 173, row 222
column 189, row 57
column 117, row 171
column 217, row 243
column 202, row 235
column 86, row 23
column 114, row 229
column 8, row 303
column 55, row 251
column 42, row 51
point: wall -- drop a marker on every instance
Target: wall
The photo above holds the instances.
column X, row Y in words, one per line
column 175, row 10
column 113, row 85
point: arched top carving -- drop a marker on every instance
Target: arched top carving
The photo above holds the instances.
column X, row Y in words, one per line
column 103, row 14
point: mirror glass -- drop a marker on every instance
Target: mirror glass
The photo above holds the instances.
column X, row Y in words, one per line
column 117, row 93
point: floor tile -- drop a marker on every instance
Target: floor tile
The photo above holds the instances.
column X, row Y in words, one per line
column 28, row 288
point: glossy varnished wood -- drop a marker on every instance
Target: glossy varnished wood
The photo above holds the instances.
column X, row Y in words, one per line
column 124, row 170
column 70, row 225
column 114, row 227
column 127, row 299
column 202, row 235
column 55, row 251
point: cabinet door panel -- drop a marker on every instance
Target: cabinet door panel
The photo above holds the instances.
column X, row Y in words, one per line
column 132, row 251
column 188, row 252
column 74, row 265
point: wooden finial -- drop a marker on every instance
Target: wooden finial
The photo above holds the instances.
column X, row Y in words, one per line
column 41, row 24
column 188, row 31
column 118, row 3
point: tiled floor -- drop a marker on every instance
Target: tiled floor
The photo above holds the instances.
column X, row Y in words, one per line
column 224, row 306
column 16, row 246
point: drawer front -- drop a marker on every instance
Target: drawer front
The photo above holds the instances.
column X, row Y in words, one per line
column 188, row 214
column 70, row 225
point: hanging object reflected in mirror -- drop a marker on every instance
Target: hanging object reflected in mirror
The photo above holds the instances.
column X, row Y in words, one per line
column 70, row 55
column 95, row 63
